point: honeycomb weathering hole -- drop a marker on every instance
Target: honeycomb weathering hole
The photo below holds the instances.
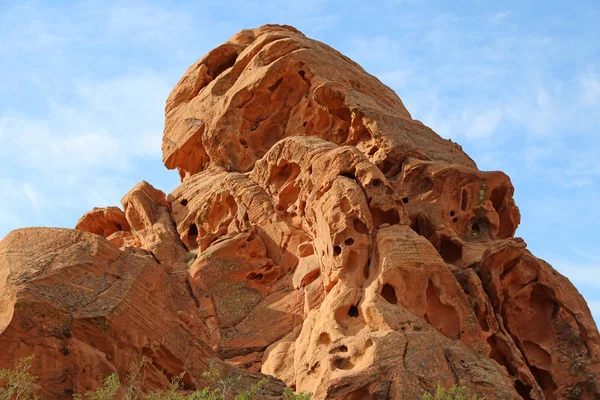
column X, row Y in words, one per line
column 184, row 202
column 389, row 294
column 337, row 250
column 360, row 227
column 193, row 232
column 324, row 338
column 450, row 251
column 353, row 312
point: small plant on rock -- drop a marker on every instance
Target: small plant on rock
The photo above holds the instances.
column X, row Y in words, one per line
column 454, row 393
column 18, row 383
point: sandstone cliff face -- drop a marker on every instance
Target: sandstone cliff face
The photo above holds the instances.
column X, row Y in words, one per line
column 320, row 235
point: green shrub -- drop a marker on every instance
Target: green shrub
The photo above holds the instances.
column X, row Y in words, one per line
column 454, row 393
column 106, row 392
column 18, row 383
column 288, row 394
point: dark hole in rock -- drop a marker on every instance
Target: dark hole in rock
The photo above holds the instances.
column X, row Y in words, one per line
column 360, row 227
column 193, row 232
column 324, row 338
column 304, row 123
column 302, row 74
column 385, row 217
column 422, row 226
column 497, row 196
column 523, row 390
column 348, row 175
column 339, row 349
column 452, row 213
column 353, row 312
column 455, row 219
column 184, row 202
column 337, row 250
column 255, row 276
column 405, row 200
column 475, row 229
column 343, row 363
column 274, row 86
column 349, row 242
column 223, row 65
column 389, row 294
column 544, row 379
column 244, row 143
column 119, row 227
column 376, row 182
column 450, row 251
column 463, row 200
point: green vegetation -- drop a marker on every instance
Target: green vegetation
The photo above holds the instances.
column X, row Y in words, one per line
column 454, row 393
column 190, row 257
column 17, row 384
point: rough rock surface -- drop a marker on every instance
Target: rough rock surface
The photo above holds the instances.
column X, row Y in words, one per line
column 320, row 235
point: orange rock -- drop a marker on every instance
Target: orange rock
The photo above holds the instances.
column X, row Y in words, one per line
column 320, row 235
column 103, row 221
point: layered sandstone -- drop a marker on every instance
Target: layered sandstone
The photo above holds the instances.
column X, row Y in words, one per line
column 320, row 235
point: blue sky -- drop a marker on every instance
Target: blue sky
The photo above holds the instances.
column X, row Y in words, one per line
column 516, row 83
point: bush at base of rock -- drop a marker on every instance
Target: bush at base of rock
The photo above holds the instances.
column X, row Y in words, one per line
column 18, row 384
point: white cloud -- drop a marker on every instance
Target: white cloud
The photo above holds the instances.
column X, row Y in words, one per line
column 590, row 89
column 484, row 124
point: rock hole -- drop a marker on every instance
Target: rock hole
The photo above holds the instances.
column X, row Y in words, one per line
column 360, row 394
column 184, row 202
column 348, row 175
column 385, row 217
column 368, row 343
column 119, row 227
column 497, row 353
column 463, row 200
column 339, row 349
column 366, row 270
column 405, row 200
column 388, row 292
column 345, row 205
column 360, row 227
column 337, row 250
column 422, row 226
column 452, row 213
column 244, row 143
column 324, row 338
column 343, row 363
column 376, row 182
column 274, row 86
column 450, row 251
column 353, row 312
column 193, row 233
column 544, row 379
column 523, row 390
column 304, row 123
column 221, row 66
column 349, row 242
column 442, row 316
column 455, row 219
column 475, row 229
column 254, row 276
column 497, row 197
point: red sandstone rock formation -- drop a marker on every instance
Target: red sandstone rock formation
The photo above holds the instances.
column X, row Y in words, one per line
column 320, row 235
